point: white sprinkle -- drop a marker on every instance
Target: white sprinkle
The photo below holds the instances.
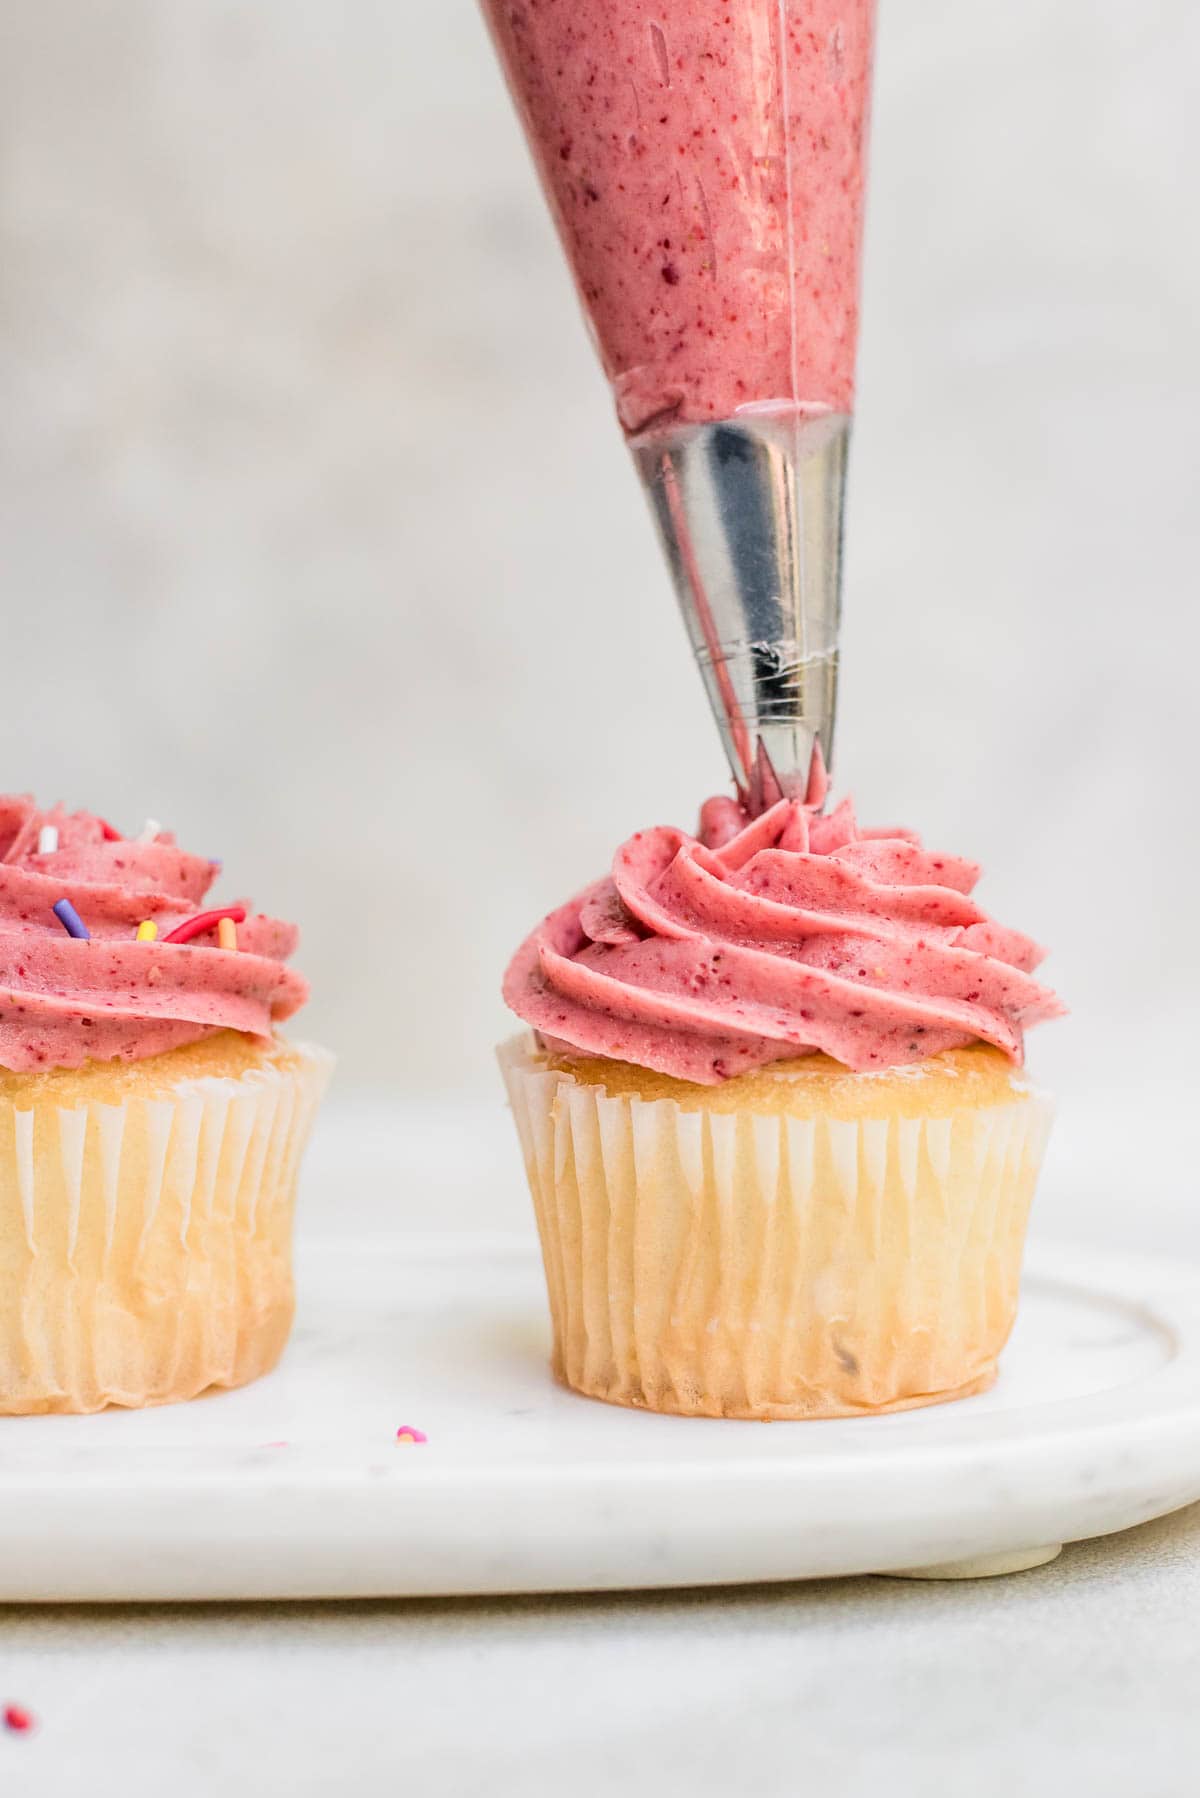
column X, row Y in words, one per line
column 47, row 839
column 149, row 830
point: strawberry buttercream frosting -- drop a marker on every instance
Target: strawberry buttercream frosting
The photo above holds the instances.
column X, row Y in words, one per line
column 763, row 939
column 65, row 1000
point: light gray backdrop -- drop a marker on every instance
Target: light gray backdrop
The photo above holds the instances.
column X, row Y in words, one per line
column 318, row 540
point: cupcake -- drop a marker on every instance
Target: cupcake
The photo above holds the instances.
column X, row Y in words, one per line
column 151, row 1120
column 779, row 1142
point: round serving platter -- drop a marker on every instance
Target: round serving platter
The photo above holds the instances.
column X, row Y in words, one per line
column 314, row 1482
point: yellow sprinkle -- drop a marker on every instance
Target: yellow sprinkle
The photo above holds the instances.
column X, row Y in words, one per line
column 227, row 933
column 147, row 931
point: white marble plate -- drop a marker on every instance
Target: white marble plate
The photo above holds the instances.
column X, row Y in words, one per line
column 298, row 1487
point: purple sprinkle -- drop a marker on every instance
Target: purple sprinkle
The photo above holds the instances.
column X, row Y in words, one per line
column 71, row 921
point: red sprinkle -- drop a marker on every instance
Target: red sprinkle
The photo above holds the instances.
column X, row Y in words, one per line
column 18, row 1719
column 109, row 833
column 205, row 920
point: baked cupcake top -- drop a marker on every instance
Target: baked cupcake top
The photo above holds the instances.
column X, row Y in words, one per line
column 759, row 940
column 106, row 952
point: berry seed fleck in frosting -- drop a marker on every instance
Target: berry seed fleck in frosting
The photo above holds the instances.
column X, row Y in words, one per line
column 767, row 938
column 88, row 967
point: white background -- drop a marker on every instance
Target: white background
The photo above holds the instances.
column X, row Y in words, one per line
column 318, row 540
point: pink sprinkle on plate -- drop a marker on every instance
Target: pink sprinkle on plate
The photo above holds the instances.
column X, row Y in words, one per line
column 406, row 1433
column 18, row 1719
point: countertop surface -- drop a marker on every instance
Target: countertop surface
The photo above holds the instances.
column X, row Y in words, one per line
column 1084, row 1671
column 1081, row 1671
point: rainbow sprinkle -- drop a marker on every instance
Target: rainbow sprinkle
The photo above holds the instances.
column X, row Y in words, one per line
column 226, row 934
column 149, row 831
column 71, row 921
column 18, row 1719
column 205, row 920
column 147, row 932
column 407, row 1433
column 47, row 839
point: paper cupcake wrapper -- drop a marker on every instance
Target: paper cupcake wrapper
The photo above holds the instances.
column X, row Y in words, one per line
column 748, row 1265
column 145, row 1248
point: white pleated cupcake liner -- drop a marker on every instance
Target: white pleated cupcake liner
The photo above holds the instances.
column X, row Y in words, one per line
column 746, row 1264
column 145, row 1246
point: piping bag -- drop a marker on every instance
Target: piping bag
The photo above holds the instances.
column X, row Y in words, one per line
column 704, row 162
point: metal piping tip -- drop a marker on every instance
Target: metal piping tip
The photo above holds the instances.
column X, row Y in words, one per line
column 766, row 788
column 749, row 510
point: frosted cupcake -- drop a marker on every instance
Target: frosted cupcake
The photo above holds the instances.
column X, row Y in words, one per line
column 772, row 1111
column 151, row 1121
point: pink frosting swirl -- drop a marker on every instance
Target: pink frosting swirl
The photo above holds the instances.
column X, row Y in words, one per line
column 772, row 938
column 65, row 1000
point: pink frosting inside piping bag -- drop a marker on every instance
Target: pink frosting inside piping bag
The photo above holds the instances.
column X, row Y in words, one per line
column 64, row 1000
column 705, row 167
column 766, row 939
